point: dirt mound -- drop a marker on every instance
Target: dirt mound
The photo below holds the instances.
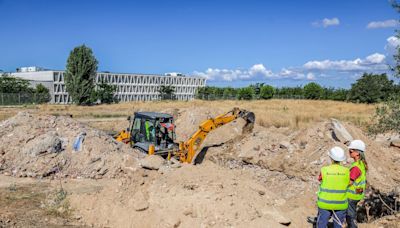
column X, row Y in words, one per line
column 302, row 153
column 43, row 145
column 203, row 196
column 188, row 120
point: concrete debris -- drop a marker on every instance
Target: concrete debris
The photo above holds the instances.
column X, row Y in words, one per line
column 284, row 145
column 48, row 148
column 153, row 162
column 339, row 132
column 49, row 142
column 139, row 202
column 395, row 143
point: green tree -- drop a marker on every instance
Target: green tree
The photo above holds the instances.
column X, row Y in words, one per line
column 289, row 92
column 339, row 95
column 257, row 89
column 80, row 75
column 42, row 94
column 313, row 91
column 167, row 92
column 229, row 93
column 267, row 92
column 9, row 84
column 104, row 93
column 387, row 115
column 371, row 88
column 246, row 93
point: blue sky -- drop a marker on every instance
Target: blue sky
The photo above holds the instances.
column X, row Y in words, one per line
column 230, row 42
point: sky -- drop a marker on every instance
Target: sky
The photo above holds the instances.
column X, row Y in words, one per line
column 230, row 42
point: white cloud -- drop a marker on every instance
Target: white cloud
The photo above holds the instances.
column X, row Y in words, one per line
column 311, row 70
column 310, row 76
column 256, row 72
column 285, row 72
column 330, row 22
column 259, row 69
column 326, row 22
column 375, row 58
column 383, row 24
column 392, row 44
column 375, row 61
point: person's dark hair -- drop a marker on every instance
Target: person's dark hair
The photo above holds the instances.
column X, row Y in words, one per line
column 362, row 158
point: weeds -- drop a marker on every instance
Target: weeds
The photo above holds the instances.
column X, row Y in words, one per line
column 57, row 204
column 12, row 187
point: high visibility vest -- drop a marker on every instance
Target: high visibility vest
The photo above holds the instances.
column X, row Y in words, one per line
column 147, row 126
column 359, row 184
column 332, row 194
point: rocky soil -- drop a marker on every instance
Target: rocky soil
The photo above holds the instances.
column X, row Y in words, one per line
column 267, row 178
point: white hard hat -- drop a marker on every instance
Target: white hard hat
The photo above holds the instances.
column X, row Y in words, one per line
column 337, row 154
column 357, row 145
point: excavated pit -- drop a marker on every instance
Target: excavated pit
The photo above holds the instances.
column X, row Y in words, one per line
column 377, row 205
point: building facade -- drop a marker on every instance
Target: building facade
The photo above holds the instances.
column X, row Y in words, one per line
column 130, row 87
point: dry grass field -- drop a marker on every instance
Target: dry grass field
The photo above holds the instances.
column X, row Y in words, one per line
column 294, row 114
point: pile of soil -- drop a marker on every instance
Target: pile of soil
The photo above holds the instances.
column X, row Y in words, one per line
column 42, row 145
column 266, row 178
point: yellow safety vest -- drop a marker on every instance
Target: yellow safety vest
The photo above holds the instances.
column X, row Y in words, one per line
column 358, row 184
column 332, row 194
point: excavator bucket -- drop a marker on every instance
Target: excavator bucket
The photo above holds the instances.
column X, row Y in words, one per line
column 250, row 120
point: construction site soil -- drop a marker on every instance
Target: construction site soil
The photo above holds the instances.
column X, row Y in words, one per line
column 266, row 178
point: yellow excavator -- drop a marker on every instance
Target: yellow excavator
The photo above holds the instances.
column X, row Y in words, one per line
column 154, row 133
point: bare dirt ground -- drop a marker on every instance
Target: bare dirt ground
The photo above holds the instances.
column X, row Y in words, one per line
column 267, row 178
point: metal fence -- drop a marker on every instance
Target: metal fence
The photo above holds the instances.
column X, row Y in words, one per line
column 23, row 98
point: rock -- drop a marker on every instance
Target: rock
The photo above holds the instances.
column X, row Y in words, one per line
column 339, row 132
column 256, row 148
column 139, row 202
column 284, row 145
column 278, row 216
column 48, row 142
column 153, row 162
column 395, row 143
column 251, row 156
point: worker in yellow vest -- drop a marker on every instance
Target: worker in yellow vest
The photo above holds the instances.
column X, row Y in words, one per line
column 358, row 180
column 332, row 194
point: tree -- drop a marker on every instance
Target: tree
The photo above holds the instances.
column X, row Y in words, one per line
column 312, row 91
column 42, row 94
column 257, row 89
column 166, row 92
column 229, row 93
column 371, row 88
column 104, row 93
column 9, row 84
column 387, row 115
column 246, row 93
column 339, row 95
column 289, row 92
column 267, row 92
column 80, row 75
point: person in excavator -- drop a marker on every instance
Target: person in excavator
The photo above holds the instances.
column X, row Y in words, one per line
column 358, row 180
column 332, row 195
column 150, row 130
column 165, row 133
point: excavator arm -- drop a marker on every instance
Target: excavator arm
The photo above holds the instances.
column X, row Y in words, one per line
column 188, row 150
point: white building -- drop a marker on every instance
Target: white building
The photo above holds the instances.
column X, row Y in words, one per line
column 130, row 87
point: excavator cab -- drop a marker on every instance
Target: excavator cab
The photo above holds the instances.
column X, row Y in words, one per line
column 152, row 128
